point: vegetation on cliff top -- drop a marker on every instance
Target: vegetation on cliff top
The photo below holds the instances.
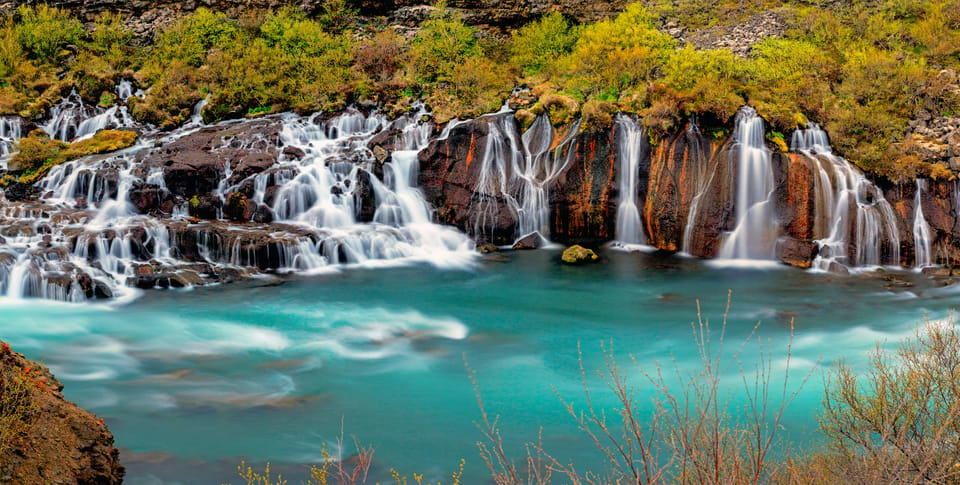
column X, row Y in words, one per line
column 861, row 69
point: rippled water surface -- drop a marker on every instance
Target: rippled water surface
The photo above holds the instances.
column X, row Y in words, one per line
column 192, row 381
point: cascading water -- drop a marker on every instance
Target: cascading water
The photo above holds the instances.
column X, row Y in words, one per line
column 84, row 238
column 521, row 172
column 756, row 228
column 10, row 132
column 629, row 229
column 72, row 119
column 849, row 209
column 921, row 230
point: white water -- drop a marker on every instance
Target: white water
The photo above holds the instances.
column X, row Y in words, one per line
column 10, row 132
column 71, row 119
column 921, row 230
column 849, row 209
column 756, row 228
column 520, row 173
column 85, row 229
column 629, row 229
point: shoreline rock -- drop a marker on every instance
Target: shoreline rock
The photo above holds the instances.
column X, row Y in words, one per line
column 60, row 443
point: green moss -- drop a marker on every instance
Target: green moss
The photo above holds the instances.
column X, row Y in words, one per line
column 37, row 153
column 578, row 255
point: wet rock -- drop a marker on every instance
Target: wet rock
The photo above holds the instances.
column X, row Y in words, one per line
column 677, row 170
column 450, row 171
column 583, row 198
column 488, row 248
column 167, row 279
column 530, row 241
column 196, row 164
column 293, row 153
column 151, row 199
column 796, row 253
column 576, row 255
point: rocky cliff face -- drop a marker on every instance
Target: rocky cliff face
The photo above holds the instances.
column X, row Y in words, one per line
column 688, row 187
column 146, row 16
column 61, row 443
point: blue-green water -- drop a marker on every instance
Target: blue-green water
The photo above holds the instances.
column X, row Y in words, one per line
column 192, row 381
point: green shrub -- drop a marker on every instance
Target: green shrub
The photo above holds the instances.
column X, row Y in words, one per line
column 443, row 43
column 538, row 45
column 38, row 153
column 190, row 39
column 336, row 15
column 43, row 31
column 612, row 56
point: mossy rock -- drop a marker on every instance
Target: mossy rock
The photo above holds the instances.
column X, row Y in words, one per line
column 578, row 255
column 38, row 153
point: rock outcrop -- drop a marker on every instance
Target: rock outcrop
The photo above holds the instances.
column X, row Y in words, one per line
column 56, row 441
column 146, row 17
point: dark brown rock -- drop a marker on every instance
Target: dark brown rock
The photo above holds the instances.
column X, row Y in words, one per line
column 63, row 444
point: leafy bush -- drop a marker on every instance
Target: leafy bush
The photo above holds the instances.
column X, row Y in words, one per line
column 443, row 43
column 190, row 39
column 538, row 45
column 611, row 56
column 43, row 31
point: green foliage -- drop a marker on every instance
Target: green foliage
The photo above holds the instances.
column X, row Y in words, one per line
column 110, row 34
column 38, row 153
column 336, row 15
column 706, row 81
column 19, row 403
column 189, row 39
column 538, row 45
column 443, row 43
column 612, row 56
column 43, row 31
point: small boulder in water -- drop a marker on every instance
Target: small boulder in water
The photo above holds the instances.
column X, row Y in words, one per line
column 488, row 248
column 578, row 255
column 796, row 253
column 531, row 241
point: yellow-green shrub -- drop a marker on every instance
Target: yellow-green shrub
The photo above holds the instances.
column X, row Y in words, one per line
column 613, row 55
column 706, row 81
column 43, row 31
column 538, row 45
column 443, row 43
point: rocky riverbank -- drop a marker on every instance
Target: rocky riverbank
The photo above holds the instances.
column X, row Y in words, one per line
column 47, row 439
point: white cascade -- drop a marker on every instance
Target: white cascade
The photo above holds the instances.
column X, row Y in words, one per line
column 756, row 229
column 71, row 119
column 10, row 132
column 849, row 209
column 629, row 229
column 921, row 230
column 520, row 172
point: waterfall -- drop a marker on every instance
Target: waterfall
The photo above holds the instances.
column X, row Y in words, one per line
column 84, row 236
column 756, row 228
column 10, row 133
column 71, row 119
column 629, row 229
column 848, row 208
column 921, row 230
column 521, row 173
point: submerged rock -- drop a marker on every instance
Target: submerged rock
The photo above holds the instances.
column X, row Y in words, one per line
column 578, row 255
